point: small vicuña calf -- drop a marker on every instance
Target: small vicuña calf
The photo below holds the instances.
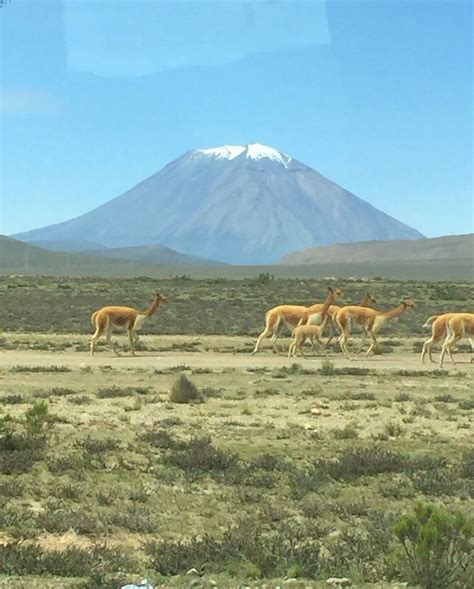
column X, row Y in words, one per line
column 313, row 332
column 302, row 333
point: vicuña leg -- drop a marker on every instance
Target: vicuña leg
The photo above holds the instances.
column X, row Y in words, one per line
column 108, row 337
column 276, row 333
column 269, row 329
column 131, row 339
column 364, row 340
column 449, row 343
column 343, row 339
column 373, row 345
column 100, row 327
column 427, row 348
column 332, row 334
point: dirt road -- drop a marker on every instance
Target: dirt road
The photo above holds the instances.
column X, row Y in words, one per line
column 215, row 360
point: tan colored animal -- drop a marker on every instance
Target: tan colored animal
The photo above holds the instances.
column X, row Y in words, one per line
column 459, row 325
column 370, row 320
column 438, row 330
column 312, row 332
column 289, row 315
column 125, row 317
column 315, row 317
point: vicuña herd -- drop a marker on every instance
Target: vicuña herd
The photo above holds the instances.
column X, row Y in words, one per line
column 308, row 324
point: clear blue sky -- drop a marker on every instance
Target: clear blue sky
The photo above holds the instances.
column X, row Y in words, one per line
column 377, row 96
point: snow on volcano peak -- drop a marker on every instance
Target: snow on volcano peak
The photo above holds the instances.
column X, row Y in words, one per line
column 254, row 151
column 227, row 152
column 257, row 151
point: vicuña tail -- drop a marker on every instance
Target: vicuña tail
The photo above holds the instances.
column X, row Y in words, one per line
column 430, row 320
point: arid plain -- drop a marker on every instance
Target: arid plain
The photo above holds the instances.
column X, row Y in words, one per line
column 276, row 472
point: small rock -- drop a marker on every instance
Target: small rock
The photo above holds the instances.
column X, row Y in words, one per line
column 315, row 411
column 212, row 583
column 193, row 572
column 339, row 582
column 290, row 581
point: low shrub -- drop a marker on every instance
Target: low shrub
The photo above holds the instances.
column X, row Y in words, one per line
column 467, row 465
column 362, row 462
column 98, row 445
column 21, row 368
column 199, row 454
column 116, row 392
column 20, row 558
column 159, row 438
column 348, row 432
column 250, row 545
column 23, row 442
column 13, row 399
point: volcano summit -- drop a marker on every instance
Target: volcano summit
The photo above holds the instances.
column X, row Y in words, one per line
column 242, row 204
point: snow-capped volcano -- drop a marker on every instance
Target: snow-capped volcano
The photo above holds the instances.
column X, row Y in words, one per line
column 254, row 151
column 243, row 204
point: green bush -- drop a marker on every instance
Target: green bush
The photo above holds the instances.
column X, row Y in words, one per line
column 23, row 442
column 362, row 462
column 437, row 547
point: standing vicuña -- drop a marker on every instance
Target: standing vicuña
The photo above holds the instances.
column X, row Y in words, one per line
column 126, row 317
column 289, row 315
column 438, row 330
column 315, row 316
column 370, row 320
column 459, row 325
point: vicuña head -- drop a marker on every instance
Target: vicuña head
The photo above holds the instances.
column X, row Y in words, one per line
column 160, row 298
column 338, row 294
column 370, row 299
column 409, row 304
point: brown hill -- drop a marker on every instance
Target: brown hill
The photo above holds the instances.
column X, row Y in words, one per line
column 447, row 248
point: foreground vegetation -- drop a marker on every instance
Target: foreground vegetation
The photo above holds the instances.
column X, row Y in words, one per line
column 250, row 475
column 110, row 473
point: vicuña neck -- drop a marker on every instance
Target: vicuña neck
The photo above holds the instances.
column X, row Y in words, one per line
column 394, row 312
column 152, row 308
column 327, row 303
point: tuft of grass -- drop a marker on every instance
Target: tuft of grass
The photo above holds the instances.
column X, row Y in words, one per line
column 184, row 391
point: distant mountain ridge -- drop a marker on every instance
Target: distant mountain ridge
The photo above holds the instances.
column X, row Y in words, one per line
column 154, row 254
column 449, row 247
column 244, row 204
column 17, row 256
